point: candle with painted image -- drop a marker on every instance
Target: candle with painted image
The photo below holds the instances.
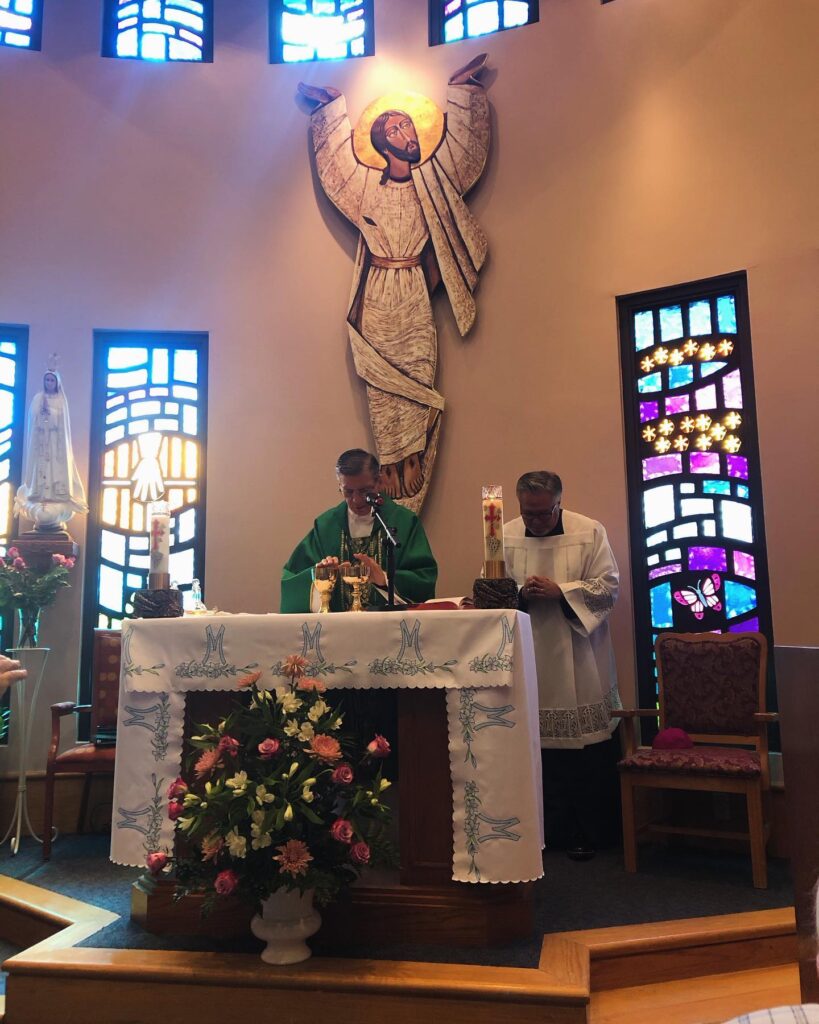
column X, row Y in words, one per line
column 492, row 506
column 160, row 534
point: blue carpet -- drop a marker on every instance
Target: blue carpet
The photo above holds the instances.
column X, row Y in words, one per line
column 672, row 883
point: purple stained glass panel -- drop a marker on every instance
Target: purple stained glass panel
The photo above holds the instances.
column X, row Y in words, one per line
column 744, row 565
column 704, row 462
column 649, row 411
column 677, row 403
column 661, row 465
column 665, row 570
column 707, row 397
column 748, row 626
column 732, row 389
column 737, row 466
column 707, row 558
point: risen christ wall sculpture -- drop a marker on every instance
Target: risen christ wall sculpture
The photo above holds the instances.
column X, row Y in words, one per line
column 400, row 178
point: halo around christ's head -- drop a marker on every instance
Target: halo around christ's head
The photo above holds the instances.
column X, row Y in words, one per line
column 427, row 117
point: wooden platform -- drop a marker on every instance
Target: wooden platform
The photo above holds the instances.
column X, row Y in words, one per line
column 681, row 972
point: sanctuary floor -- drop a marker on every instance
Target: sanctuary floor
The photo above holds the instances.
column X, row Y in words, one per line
column 573, row 896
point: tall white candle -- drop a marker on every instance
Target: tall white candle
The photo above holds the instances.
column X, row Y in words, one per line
column 492, row 506
column 160, row 525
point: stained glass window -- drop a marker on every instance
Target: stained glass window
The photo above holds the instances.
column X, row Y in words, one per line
column 161, row 30
column 21, row 23
column 452, row 20
column 697, row 531
column 148, row 435
column 13, row 351
column 302, row 30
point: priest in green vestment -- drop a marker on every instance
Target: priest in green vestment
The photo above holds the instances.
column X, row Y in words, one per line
column 349, row 533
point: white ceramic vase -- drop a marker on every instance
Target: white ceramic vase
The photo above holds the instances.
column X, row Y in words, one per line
column 286, row 920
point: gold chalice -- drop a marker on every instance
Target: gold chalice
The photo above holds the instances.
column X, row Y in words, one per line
column 357, row 576
column 324, row 580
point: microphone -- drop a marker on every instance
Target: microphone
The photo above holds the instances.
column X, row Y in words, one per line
column 374, row 500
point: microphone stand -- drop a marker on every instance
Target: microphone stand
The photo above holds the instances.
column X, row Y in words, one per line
column 392, row 545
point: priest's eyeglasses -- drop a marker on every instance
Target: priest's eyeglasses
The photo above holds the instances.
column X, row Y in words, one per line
column 549, row 513
column 358, row 492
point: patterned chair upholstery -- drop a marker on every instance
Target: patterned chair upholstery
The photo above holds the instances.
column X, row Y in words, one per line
column 713, row 687
column 86, row 759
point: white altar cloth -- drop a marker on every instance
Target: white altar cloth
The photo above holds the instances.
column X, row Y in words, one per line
column 484, row 659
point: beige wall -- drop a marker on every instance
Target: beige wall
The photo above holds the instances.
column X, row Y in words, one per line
column 637, row 144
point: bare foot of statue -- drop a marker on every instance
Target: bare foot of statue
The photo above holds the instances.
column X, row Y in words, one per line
column 413, row 474
column 390, row 482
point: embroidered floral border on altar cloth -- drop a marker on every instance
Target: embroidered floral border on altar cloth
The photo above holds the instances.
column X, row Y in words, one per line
column 483, row 658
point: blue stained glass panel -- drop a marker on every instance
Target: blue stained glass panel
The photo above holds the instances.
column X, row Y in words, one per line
column 679, row 376
column 739, row 598
column 643, row 330
column 7, row 371
column 21, row 24
column 651, row 382
column 482, row 17
column 185, row 365
column 159, row 30
column 671, row 324
column 699, row 317
column 727, row 314
column 662, row 616
column 707, row 368
column 321, row 29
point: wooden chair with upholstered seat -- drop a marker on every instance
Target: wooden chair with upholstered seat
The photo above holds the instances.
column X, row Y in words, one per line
column 88, row 759
column 713, row 687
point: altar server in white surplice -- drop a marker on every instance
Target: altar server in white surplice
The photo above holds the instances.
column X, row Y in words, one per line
column 569, row 581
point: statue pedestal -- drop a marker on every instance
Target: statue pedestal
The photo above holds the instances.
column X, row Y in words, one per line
column 38, row 547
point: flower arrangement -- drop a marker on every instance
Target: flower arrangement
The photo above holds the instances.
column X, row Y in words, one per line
column 30, row 590
column 280, row 798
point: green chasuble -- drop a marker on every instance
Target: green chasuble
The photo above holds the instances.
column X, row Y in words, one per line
column 415, row 568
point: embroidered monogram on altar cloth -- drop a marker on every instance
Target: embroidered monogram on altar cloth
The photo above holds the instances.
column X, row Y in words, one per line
column 596, row 597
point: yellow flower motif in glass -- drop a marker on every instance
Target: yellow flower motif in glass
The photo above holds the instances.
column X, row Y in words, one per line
column 647, row 365
column 661, row 356
column 690, row 348
column 649, row 433
column 718, row 431
column 707, row 351
column 703, row 421
column 687, row 425
column 666, row 427
column 725, row 348
column 681, row 443
column 732, row 444
column 732, row 420
column 703, row 442
column 662, row 445
column 675, row 357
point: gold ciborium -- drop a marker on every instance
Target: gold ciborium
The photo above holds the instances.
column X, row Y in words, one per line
column 357, row 576
column 324, row 580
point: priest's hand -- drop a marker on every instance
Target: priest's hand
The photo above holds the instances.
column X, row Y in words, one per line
column 377, row 575
column 541, row 587
column 329, row 560
column 10, row 672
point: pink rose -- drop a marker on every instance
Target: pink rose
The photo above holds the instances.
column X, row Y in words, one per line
column 343, row 775
column 177, row 788
column 13, row 553
column 226, row 882
column 18, row 563
column 156, row 862
column 175, row 809
column 228, row 745
column 378, row 747
column 360, row 853
column 342, row 831
column 69, row 563
column 268, row 748
column 58, row 559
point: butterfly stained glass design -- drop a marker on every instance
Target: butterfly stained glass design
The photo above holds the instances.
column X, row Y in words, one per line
column 701, row 595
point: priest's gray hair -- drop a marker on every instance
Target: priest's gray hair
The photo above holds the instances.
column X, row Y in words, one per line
column 539, row 481
column 355, row 461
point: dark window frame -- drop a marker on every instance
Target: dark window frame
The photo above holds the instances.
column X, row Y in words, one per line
column 103, row 341
column 109, row 36
column 630, row 358
column 276, row 43
column 437, row 23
